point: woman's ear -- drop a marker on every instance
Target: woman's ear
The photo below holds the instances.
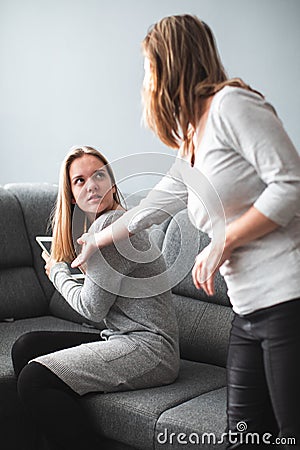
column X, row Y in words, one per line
column 73, row 201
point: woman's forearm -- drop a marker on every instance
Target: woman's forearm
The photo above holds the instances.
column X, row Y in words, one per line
column 114, row 232
column 91, row 241
column 250, row 226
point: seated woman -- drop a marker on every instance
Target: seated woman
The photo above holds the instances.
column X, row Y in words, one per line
column 138, row 347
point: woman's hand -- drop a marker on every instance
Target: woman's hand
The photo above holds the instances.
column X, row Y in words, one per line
column 89, row 246
column 90, row 242
column 251, row 225
column 49, row 262
column 206, row 266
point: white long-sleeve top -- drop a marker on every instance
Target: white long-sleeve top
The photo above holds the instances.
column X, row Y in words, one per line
column 247, row 159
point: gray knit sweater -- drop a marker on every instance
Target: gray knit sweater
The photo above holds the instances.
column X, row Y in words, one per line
column 128, row 288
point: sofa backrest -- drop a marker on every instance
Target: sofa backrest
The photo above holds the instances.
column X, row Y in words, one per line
column 21, row 292
column 36, row 202
column 204, row 322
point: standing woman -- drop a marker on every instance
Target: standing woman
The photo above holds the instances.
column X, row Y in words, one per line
column 138, row 347
column 227, row 131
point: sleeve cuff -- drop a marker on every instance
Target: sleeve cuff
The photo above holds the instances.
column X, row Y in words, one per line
column 276, row 208
column 59, row 267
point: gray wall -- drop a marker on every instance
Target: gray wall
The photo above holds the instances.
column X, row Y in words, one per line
column 71, row 72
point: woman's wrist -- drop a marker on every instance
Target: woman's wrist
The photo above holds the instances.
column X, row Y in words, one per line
column 250, row 226
column 98, row 239
column 58, row 266
column 232, row 240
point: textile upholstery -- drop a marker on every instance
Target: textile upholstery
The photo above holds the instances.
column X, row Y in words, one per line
column 194, row 404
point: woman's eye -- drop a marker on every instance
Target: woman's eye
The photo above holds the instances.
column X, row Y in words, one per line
column 99, row 175
column 79, row 181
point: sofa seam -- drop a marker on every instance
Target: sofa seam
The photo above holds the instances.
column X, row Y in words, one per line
column 194, row 396
column 175, row 406
column 133, row 408
column 195, row 326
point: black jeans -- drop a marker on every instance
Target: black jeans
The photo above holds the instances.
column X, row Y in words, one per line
column 53, row 406
column 263, row 377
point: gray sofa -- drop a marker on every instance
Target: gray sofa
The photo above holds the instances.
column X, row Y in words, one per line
column 191, row 410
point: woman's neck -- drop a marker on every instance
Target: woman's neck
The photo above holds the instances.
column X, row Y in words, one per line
column 92, row 217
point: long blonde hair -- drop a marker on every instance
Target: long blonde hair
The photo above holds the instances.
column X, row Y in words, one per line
column 61, row 218
column 186, row 68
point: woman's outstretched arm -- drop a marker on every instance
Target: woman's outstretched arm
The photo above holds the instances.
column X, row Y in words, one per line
column 167, row 198
column 90, row 242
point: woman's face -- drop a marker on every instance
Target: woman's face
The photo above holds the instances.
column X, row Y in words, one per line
column 91, row 186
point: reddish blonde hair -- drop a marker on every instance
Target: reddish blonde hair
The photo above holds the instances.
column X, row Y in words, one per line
column 186, row 68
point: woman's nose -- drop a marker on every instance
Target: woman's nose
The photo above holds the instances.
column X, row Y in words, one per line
column 91, row 185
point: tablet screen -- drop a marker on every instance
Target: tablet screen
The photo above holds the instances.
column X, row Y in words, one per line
column 45, row 243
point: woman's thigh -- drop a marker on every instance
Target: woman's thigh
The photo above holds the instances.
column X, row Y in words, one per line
column 36, row 343
column 282, row 364
column 249, row 407
column 119, row 363
column 55, row 409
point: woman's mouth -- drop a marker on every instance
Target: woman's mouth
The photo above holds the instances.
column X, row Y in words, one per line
column 94, row 198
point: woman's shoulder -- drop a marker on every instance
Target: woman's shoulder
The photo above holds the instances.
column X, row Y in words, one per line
column 234, row 105
column 106, row 219
column 234, row 95
column 237, row 99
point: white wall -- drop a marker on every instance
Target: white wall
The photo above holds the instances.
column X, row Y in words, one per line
column 71, row 72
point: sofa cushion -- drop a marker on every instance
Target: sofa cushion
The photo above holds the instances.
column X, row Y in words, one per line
column 10, row 331
column 15, row 248
column 30, row 198
column 131, row 416
column 203, row 330
column 36, row 201
column 200, row 422
column 204, row 321
column 21, row 294
column 182, row 244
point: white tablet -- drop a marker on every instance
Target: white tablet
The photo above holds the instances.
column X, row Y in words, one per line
column 45, row 243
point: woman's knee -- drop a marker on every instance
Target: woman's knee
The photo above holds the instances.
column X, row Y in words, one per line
column 23, row 350
column 35, row 379
column 30, row 381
